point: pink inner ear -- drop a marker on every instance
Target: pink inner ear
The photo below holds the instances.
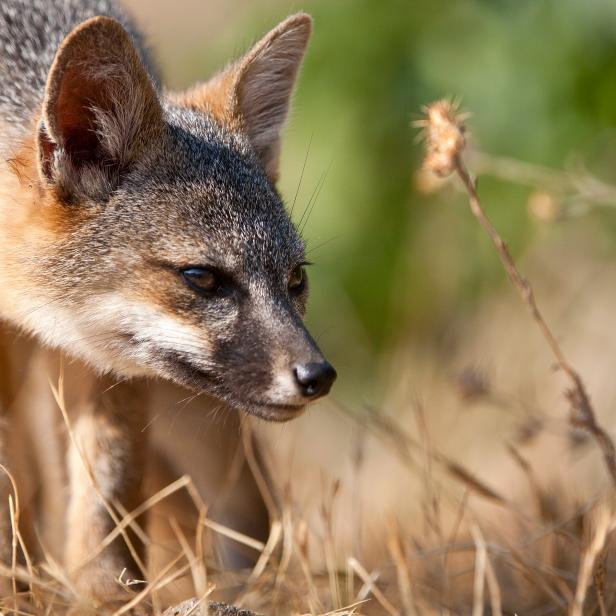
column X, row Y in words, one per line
column 75, row 119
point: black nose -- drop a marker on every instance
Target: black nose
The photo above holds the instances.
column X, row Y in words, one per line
column 315, row 379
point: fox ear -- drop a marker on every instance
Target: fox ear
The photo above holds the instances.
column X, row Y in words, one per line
column 267, row 75
column 253, row 94
column 99, row 113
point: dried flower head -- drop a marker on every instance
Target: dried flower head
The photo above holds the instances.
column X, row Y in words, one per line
column 444, row 135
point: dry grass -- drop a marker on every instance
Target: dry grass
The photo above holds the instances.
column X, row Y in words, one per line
column 402, row 522
column 455, row 559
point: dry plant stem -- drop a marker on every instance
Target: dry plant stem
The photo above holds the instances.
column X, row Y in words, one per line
column 364, row 576
column 129, row 518
column 197, row 567
column 582, row 415
column 17, row 539
column 396, row 550
column 577, row 182
column 14, row 525
column 481, row 556
column 604, row 527
column 159, row 581
column 490, row 575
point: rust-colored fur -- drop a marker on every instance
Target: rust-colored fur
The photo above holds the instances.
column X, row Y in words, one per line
column 112, row 196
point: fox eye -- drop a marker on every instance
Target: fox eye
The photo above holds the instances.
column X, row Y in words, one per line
column 201, row 279
column 297, row 280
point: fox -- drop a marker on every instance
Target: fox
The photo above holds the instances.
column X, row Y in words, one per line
column 142, row 238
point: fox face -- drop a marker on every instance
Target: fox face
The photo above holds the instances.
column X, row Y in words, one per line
column 165, row 248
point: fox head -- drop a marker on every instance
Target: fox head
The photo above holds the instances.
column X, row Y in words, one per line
column 166, row 249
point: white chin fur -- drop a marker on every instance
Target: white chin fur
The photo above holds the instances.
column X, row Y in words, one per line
column 283, row 390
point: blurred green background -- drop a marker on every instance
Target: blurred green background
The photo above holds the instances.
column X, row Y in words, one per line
column 394, row 262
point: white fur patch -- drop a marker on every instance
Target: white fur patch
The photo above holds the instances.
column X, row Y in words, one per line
column 283, row 389
column 91, row 332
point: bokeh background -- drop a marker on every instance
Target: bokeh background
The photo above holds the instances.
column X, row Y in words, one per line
column 397, row 262
column 448, row 416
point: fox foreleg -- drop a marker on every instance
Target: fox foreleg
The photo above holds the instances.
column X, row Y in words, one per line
column 106, row 463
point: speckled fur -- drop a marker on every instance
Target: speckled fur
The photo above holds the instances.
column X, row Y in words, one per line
column 31, row 33
column 112, row 231
column 109, row 187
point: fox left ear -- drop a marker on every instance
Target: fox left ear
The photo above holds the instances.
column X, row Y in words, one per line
column 99, row 113
column 253, row 94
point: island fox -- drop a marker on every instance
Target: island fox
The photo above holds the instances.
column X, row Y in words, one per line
column 141, row 234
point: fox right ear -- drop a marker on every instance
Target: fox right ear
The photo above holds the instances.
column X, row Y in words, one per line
column 100, row 111
column 253, row 94
column 265, row 81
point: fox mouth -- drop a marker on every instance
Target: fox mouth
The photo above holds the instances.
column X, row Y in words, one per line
column 274, row 412
column 186, row 373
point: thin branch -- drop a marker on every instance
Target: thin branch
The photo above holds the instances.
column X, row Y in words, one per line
column 604, row 527
column 582, row 412
column 444, row 133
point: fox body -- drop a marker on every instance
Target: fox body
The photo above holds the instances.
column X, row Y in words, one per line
column 141, row 235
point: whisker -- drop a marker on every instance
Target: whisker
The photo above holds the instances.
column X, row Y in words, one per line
column 310, row 201
column 189, row 399
column 323, row 243
column 316, row 194
column 125, row 380
column 151, row 422
column 301, row 177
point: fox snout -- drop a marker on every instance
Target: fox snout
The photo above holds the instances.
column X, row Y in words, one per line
column 312, row 376
column 315, row 378
column 297, row 375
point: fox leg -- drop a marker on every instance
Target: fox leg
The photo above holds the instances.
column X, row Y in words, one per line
column 106, row 466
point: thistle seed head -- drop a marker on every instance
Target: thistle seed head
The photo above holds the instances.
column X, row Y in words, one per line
column 444, row 135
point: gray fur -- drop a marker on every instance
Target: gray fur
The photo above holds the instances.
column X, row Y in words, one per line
column 30, row 34
column 196, row 195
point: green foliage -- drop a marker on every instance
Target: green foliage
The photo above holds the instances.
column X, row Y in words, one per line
column 539, row 77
